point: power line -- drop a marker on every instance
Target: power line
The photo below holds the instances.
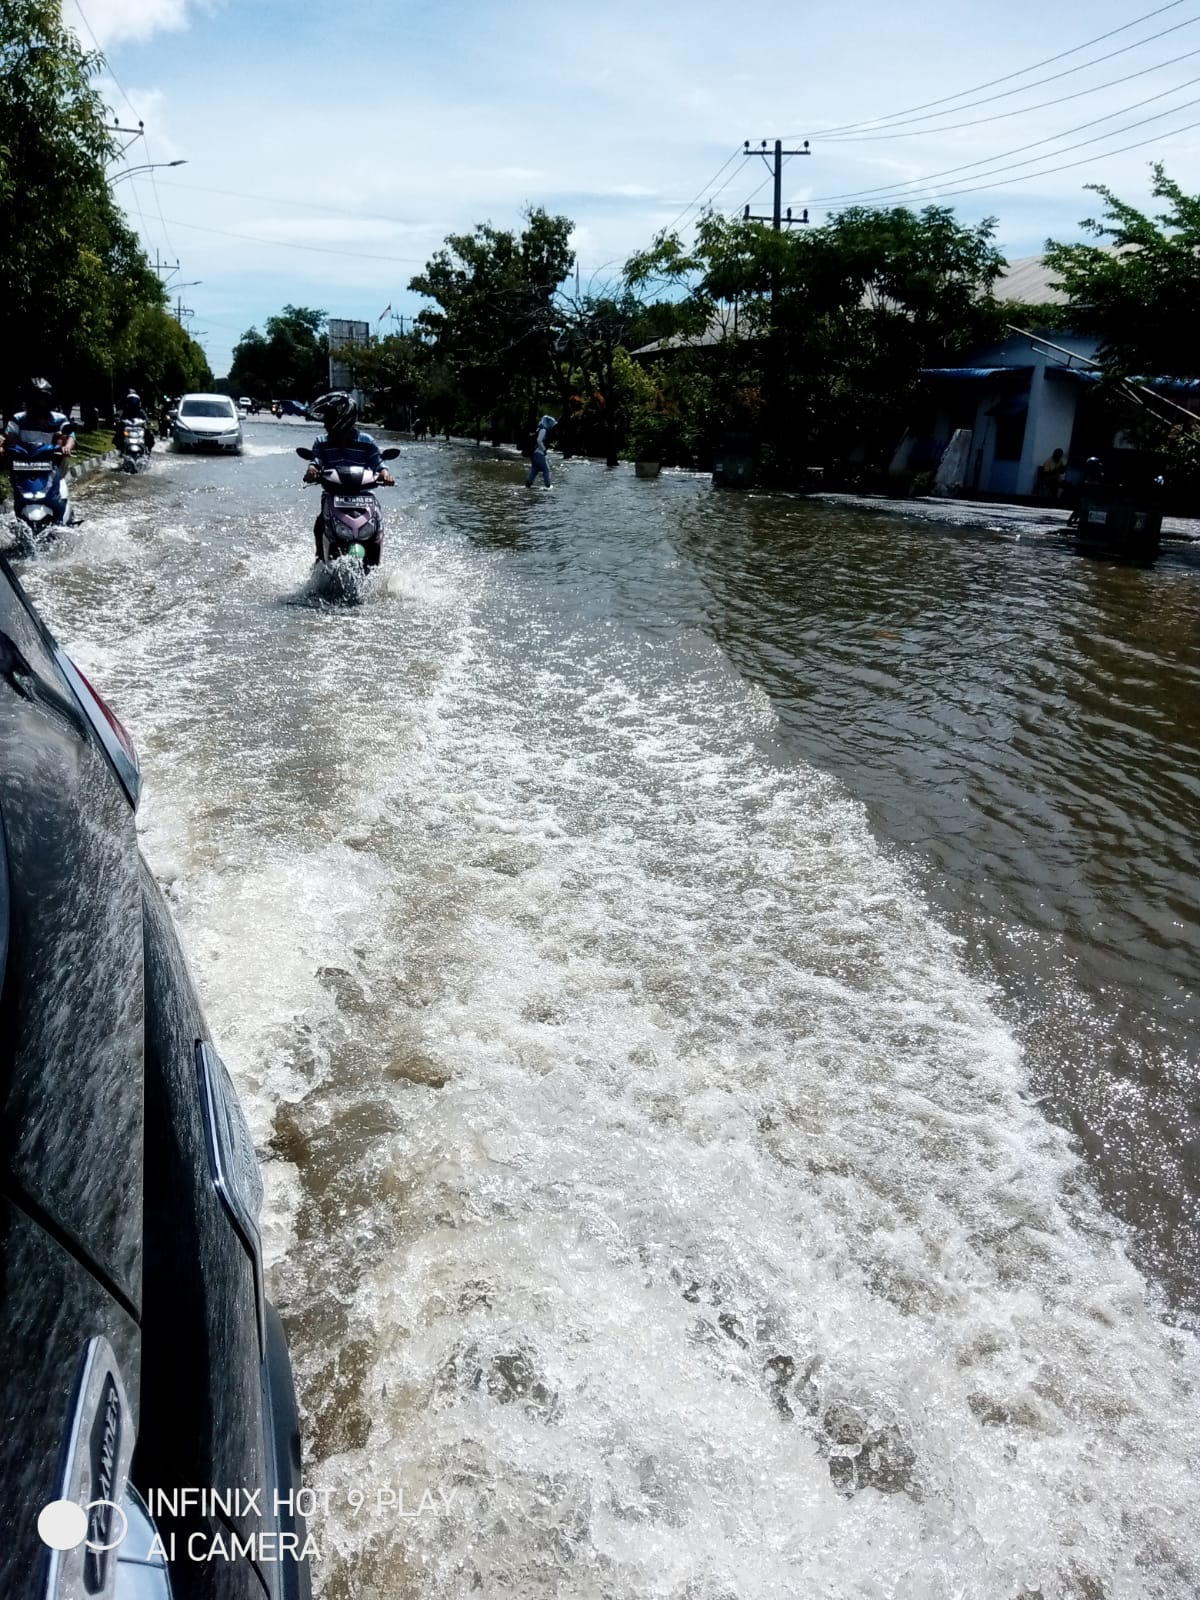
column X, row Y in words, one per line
column 751, row 197
column 1022, row 111
column 289, row 244
column 704, row 190
column 103, row 57
column 161, row 218
column 946, row 172
column 277, row 199
column 898, row 130
column 911, row 111
column 1045, row 172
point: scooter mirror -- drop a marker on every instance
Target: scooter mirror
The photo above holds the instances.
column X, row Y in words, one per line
column 390, row 454
column 304, row 453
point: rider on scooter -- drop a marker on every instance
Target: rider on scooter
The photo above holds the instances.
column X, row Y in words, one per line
column 132, row 411
column 39, row 424
column 343, row 445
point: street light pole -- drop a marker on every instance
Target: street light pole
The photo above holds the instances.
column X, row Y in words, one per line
column 148, row 166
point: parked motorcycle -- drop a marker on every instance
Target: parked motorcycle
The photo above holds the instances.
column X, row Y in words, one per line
column 33, row 470
column 352, row 527
column 134, row 447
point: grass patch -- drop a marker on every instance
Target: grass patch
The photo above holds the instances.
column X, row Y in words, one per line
column 98, row 442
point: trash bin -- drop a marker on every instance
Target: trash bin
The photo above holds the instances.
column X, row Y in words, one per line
column 1120, row 523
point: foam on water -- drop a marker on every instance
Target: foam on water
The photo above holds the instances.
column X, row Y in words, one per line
column 728, row 1257
column 647, row 1177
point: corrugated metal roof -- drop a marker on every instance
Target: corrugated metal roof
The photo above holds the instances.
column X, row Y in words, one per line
column 1028, row 280
column 971, row 372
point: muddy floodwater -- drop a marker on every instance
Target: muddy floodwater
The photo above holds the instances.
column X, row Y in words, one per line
column 712, row 979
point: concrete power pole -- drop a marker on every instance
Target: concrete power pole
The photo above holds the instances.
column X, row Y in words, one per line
column 777, row 219
column 775, row 359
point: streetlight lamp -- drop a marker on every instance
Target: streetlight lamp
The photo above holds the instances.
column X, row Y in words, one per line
column 147, row 166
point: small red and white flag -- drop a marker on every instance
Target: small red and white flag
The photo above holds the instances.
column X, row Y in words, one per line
column 384, row 312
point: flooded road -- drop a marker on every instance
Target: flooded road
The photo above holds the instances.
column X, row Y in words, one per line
column 711, row 978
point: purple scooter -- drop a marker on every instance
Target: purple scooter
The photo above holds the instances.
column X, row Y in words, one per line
column 352, row 528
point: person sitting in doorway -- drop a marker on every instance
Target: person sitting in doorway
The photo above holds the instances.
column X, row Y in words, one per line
column 1050, row 476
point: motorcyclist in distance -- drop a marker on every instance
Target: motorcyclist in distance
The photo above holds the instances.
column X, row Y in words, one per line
column 40, row 424
column 343, row 444
column 132, row 411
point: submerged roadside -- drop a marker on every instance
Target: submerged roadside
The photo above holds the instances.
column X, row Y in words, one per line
column 1045, row 520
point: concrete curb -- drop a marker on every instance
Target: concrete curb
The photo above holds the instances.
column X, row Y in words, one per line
column 81, row 471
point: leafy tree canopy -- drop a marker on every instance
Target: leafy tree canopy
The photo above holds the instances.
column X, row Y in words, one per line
column 289, row 360
column 1138, row 293
column 493, row 312
column 72, row 274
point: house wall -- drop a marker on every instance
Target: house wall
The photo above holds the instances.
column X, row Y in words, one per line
column 1048, row 423
column 1050, row 427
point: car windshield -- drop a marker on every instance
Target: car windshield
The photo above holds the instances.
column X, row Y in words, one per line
column 206, row 408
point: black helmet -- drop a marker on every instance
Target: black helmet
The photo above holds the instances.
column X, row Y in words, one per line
column 336, row 410
column 39, row 389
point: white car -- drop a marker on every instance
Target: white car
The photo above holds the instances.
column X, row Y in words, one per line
column 207, row 421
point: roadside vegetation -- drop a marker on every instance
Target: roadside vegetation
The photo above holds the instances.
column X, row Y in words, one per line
column 805, row 344
column 79, row 302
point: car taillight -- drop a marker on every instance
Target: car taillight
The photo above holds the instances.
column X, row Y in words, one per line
column 111, row 731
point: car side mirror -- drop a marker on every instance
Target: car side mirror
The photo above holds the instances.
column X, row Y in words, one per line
column 305, row 454
column 390, row 454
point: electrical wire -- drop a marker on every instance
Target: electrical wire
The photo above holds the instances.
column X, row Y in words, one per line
column 145, row 143
column 290, row 244
column 728, row 184
column 107, row 64
column 158, row 205
column 1041, row 105
column 888, row 188
column 991, row 83
column 275, row 199
column 750, row 198
column 900, row 132
column 704, row 190
column 1045, row 172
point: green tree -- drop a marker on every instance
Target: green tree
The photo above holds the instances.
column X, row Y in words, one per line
column 493, row 320
column 397, row 378
column 1138, row 293
column 72, row 274
column 291, row 358
column 595, row 330
column 158, row 358
column 827, row 328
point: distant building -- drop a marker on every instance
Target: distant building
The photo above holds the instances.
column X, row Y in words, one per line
column 1019, row 400
column 1023, row 399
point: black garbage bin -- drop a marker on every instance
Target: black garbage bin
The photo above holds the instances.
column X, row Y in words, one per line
column 1123, row 524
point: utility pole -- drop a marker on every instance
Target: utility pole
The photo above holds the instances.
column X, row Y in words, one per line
column 136, row 133
column 164, row 266
column 776, row 355
column 777, row 218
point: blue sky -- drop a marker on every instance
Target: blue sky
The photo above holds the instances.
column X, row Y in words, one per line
column 330, row 149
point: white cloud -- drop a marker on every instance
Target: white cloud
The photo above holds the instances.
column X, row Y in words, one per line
column 106, row 22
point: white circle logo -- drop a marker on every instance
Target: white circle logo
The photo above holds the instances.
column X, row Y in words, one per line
column 92, row 1544
column 62, row 1524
